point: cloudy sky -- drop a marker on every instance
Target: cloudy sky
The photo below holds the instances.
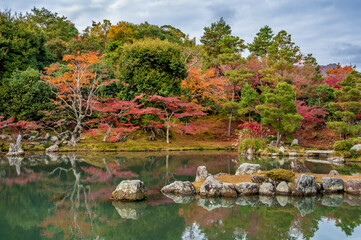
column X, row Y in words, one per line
column 329, row 29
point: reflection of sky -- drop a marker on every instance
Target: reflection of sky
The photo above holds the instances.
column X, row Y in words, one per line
column 327, row 230
column 193, row 232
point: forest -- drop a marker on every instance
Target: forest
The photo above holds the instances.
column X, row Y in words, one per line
column 118, row 81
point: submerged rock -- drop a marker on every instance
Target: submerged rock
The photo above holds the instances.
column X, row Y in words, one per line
column 211, row 187
column 267, row 189
column 247, row 168
column 306, row 185
column 247, row 188
column 201, row 173
column 353, row 187
column 180, row 187
column 332, row 184
column 130, row 190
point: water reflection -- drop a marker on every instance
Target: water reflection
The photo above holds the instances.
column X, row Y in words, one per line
column 65, row 196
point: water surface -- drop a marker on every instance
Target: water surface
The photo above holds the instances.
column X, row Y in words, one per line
column 66, row 197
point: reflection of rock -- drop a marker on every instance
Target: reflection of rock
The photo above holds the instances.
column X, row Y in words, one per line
column 299, row 167
column 201, row 173
column 306, row 185
column 130, row 190
column 267, row 189
column 53, row 157
column 228, row 190
column 332, row 200
column 282, row 200
column 179, row 187
column 305, row 205
column 211, row 187
column 178, row 198
column 15, row 149
column 130, row 210
column 212, row 203
column 332, row 184
column 247, row 168
column 353, row 187
column 248, row 200
column 333, row 172
column 283, row 188
column 16, row 161
column 267, row 200
column 353, row 200
column 247, row 188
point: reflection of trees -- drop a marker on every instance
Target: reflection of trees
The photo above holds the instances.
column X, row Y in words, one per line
column 76, row 222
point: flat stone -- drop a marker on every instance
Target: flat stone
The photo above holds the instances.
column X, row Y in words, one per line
column 353, row 187
column 356, row 147
column 247, row 188
column 332, row 184
column 247, row 168
column 179, row 187
column 267, row 189
column 130, row 190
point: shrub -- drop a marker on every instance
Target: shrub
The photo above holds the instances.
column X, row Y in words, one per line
column 344, row 145
column 271, row 150
column 253, row 143
column 280, row 175
column 355, row 141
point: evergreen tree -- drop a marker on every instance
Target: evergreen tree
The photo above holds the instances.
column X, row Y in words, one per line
column 261, row 42
column 345, row 110
column 280, row 110
column 248, row 101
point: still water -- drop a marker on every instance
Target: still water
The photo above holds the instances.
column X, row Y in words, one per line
column 66, row 197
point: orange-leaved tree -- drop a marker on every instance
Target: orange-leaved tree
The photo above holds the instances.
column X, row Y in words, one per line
column 76, row 88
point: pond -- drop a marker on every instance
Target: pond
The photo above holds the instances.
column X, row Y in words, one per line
column 67, row 197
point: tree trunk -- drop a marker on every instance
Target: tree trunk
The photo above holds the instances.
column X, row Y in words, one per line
column 75, row 135
column 107, row 134
column 167, row 135
column 230, row 124
column 278, row 139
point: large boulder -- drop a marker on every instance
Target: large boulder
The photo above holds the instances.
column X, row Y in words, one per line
column 201, row 173
column 130, row 190
column 247, row 188
column 306, row 185
column 180, row 187
column 353, row 187
column 15, row 149
column 247, row 168
column 211, row 187
column 267, row 189
column 283, row 188
column 228, row 190
column 332, row 184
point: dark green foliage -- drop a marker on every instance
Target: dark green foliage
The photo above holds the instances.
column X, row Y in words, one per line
column 261, row 42
column 342, row 145
column 280, row 175
column 280, row 111
column 253, row 143
column 24, row 95
column 22, row 45
column 153, row 67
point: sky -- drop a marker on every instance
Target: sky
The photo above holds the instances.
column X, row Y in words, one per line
column 329, row 29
